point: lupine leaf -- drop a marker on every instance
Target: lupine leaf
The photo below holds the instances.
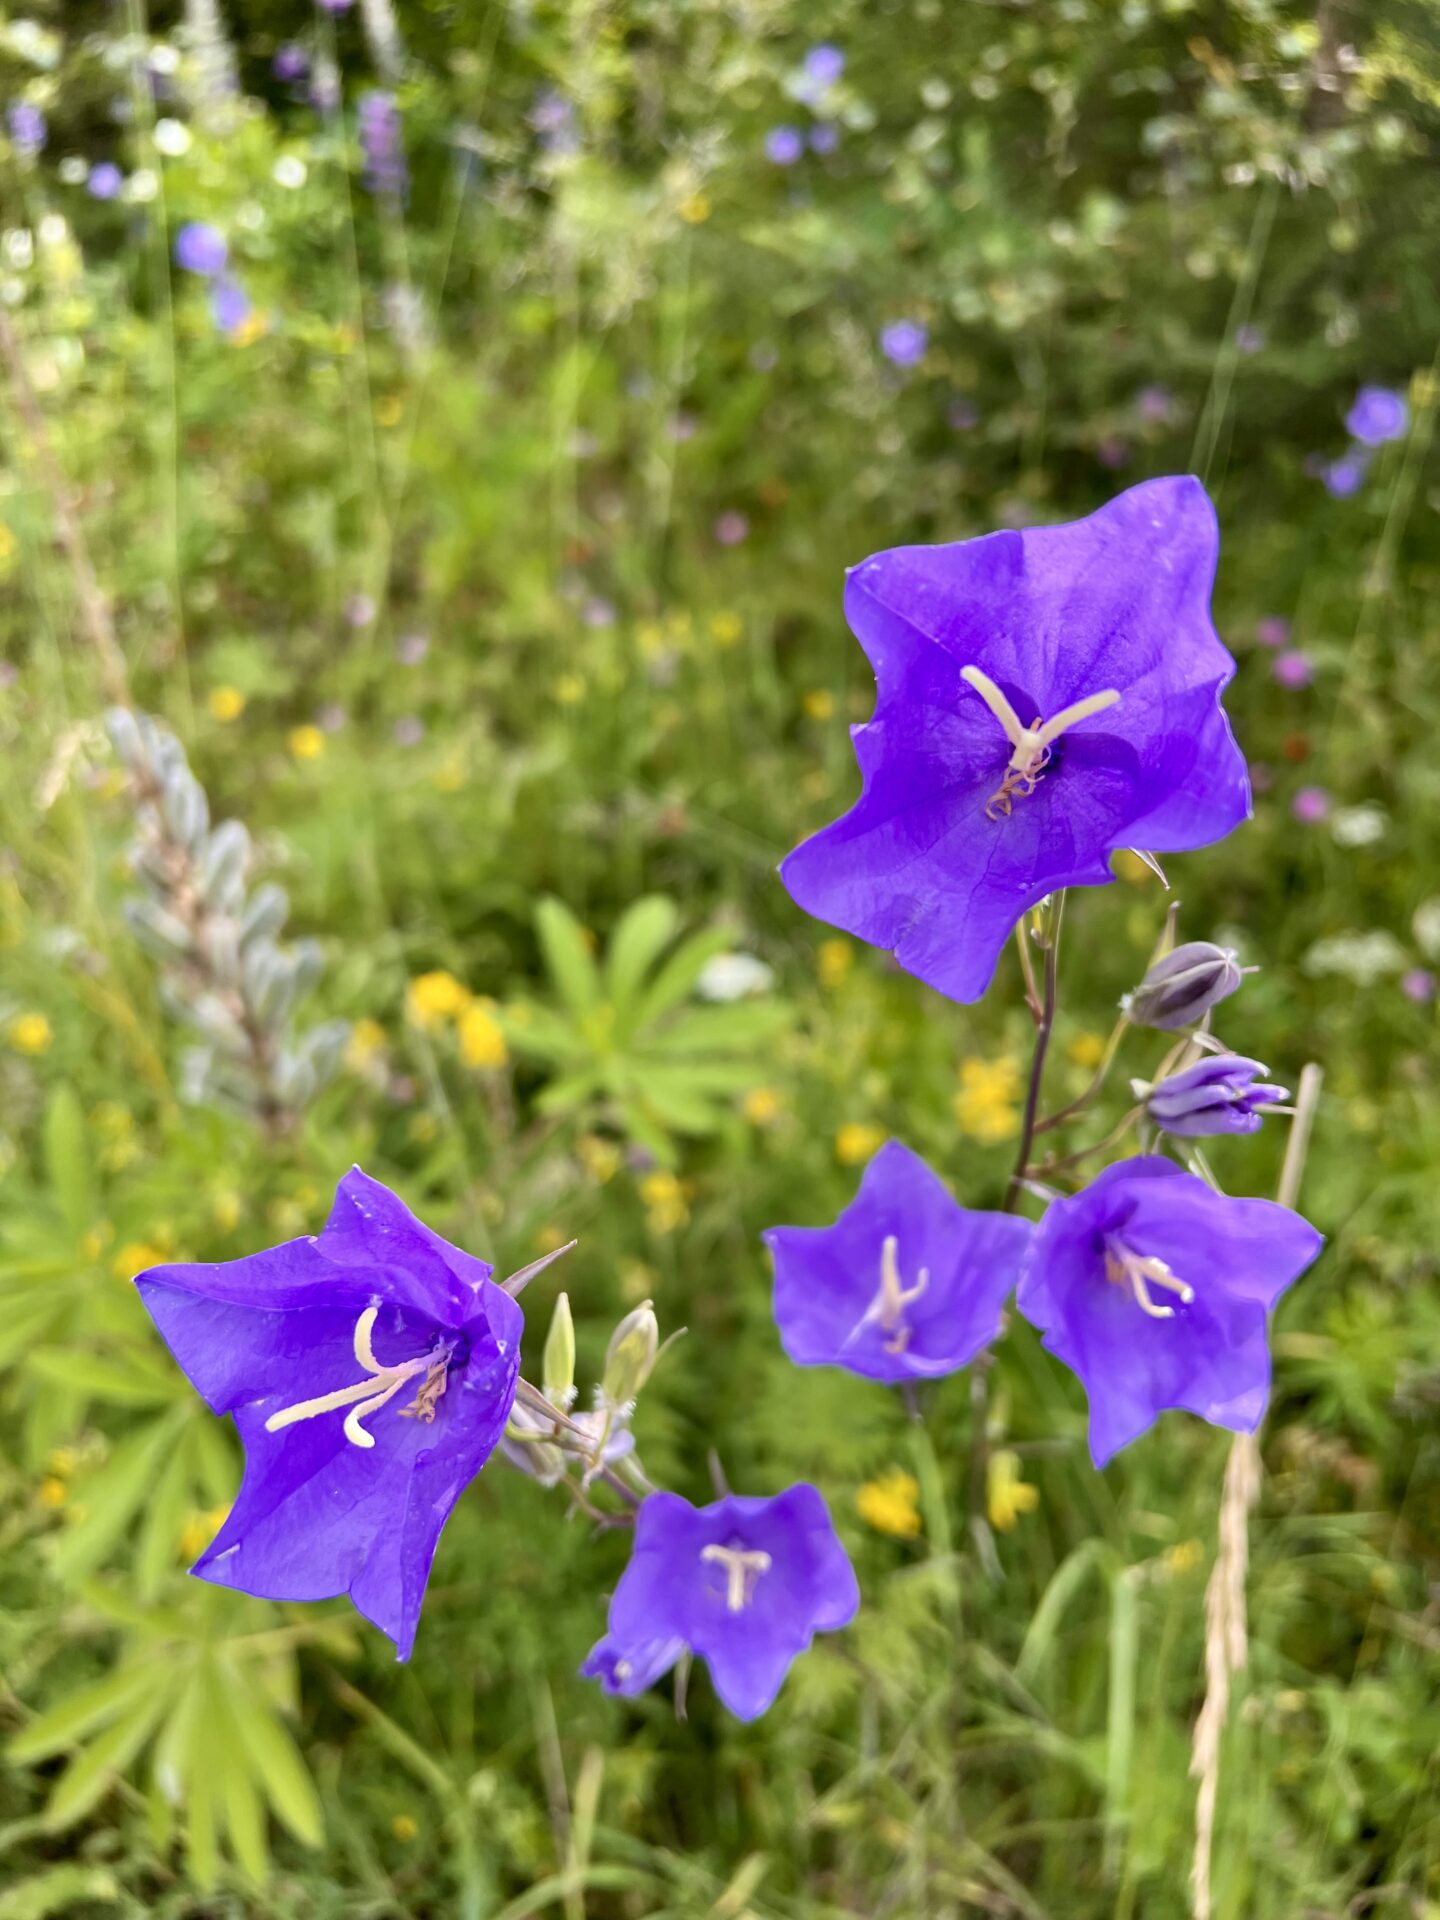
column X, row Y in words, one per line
column 568, row 959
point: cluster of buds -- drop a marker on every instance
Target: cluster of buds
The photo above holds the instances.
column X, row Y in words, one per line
column 225, row 972
column 1201, row 1088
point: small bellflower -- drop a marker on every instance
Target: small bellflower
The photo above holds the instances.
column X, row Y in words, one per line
column 1156, row 1291
column 1378, row 414
column 744, row 1583
column 1223, row 1093
column 906, row 1285
column 370, row 1370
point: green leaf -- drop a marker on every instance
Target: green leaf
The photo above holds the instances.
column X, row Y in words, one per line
column 538, row 1030
column 91, row 1774
column 164, row 1519
column 676, row 979
column 244, row 1816
column 121, row 1383
column 113, row 1496
column 276, row 1760
column 69, row 1720
column 685, row 1110
column 67, row 1160
column 642, row 934
column 567, row 955
column 746, row 1023
column 59, row 1890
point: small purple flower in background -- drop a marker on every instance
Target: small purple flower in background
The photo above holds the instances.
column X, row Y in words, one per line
column 380, row 145
column 1272, row 631
column 963, row 414
column 744, row 1583
column 370, row 1370
column 1418, row 985
column 553, row 118
column 1155, row 404
column 1219, row 1094
column 731, row 527
column 230, row 306
column 335, row 6
column 1310, row 806
column 1344, row 477
column 1292, row 668
column 681, row 427
column 1113, row 452
column 1250, row 339
column 598, row 612
column 824, row 137
column 1155, row 1290
column 331, row 717
column 291, row 62
column 903, row 342
column 104, row 181
column 360, row 610
column 784, row 145
column 201, row 248
column 1378, row 414
column 27, row 129
column 906, row 1285
column 408, row 731
column 1044, row 699
column 412, row 648
column 823, row 67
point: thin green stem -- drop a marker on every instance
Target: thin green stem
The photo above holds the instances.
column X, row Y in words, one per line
column 1044, row 1027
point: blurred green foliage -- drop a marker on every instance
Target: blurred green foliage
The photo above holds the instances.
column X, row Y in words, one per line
column 490, row 571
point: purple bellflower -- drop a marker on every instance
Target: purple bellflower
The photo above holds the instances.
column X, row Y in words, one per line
column 104, row 181
column 903, row 342
column 370, row 1370
column 784, row 146
column 744, row 1583
column 381, row 145
column 200, row 248
column 1223, row 1093
column 27, row 128
column 1045, row 698
column 907, row 1284
column 1378, row 414
column 1344, row 477
column 1155, row 1290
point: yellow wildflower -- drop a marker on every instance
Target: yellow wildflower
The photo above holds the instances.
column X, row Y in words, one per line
column 601, row 1159
column 1086, row 1049
column 449, row 776
column 760, row 1106
column 985, row 1106
column 96, row 1240
column 1184, row 1557
column 250, row 329
column 835, row 959
column 726, row 629
column 7, row 542
column 819, row 703
column 665, row 1204
column 650, row 638
column 226, row 1209
column 1007, row 1496
column 51, row 1492
column 482, row 1044
column 30, row 1033
column 404, row 1826
column 226, row 703
column 550, row 1239
column 694, row 208
column 198, row 1530
column 389, row 410
column 134, row 1257
column 307, row 743
column 63, row 1462
column 570, row 689
column 857, row 1141
column 365, row 1045
column 436, row 996
column 637, row 1281
column 888, row 1503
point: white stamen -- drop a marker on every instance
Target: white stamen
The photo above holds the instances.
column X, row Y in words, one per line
column 743, row 1566
column 1030, row 746
column 1139, row 1272
column 371, row 1394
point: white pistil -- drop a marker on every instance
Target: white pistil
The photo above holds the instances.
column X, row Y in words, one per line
column 369, row 1395
column 1030, row 746
column 893, row 1298
column 1140, row 1272
column 743, row 1567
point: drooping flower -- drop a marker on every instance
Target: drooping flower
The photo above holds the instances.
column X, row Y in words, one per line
column 1045, row 698
column 1155, row 1290
column 370, row 1370
column 201, row 248
column 744, row 1583
column 903, row 342
column 1377, row 415
column 1223, row 1093
column 1183, row 986
column 905, row 1285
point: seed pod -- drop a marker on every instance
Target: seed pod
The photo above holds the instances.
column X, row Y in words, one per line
column 557, row 1366
column 630, row 1355
column 1181, row 988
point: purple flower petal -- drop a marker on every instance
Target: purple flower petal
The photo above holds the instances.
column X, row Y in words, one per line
column 1218, row 1094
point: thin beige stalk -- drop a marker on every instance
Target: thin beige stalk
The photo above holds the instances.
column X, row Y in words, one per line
column 1226, row 1639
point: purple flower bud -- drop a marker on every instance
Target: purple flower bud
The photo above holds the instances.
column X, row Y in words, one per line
column 1155, row 404
column 1219, row 1094
column 336, row 6
column 200, row 248
column 27, row 129
column 784, row 145
column 1186, row 984
column 903, row 342
column 1379, row 414
column 105, row 181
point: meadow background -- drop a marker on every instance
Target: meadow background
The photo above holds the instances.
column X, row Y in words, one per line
column 483, row 546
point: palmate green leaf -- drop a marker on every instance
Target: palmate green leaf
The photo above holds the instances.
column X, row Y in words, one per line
column 157, row 1552
column 567, row 956
column 112, row 1496
column 281, row 1772
column 134, row 1381
column 67, row 1160
column 541, row 1031
column 641, row 935
column 62, row 1890
column 677, row 979
column 685, row 1110
column 92, row 1773
column 745, row 1023
column 68, row 1722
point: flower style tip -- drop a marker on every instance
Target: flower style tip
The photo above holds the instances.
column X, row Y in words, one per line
column 1220, row 1094
column 744, row 1583
column 1044, row 699
column 906, row 1284
column 1156, row 1290
column 370, row 1370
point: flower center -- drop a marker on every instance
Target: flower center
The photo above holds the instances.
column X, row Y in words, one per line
column 743, row 1567
column 1030, row 746
column 1139, row 1272
column 887, row 1309
column 380, row 1386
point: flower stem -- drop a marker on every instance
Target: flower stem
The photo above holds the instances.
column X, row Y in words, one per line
column 1044, row 1026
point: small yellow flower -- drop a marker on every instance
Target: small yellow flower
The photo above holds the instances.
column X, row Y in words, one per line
column 602, row 1159
column 760, row 1106
column 637, row 1281
column 63, row 1462
column 550, row 1239
column 226, row 703
column 888, row 1503
column 726, row 629
column 198, row 1530
column 665, row 1204
column 434, row 997
column 985, row 1107
column 405, row 1826
column 449, row 776
column 694, row 208
column 1007, row 1496
column 365, row 1045
column 1130, row 867
column 389, row 410
column 30, row 1033
column 1184, row 1557
column 134, row 1257
column 834, row 960
column 51, row 1492
column 819, row 703
column 650, row 638
column 570, row 689
column 7, row 542
column 96, row 1240
column 482, row 1044
column 857, row 1141
column 1086, row 1050
column 423, row 1128
column 307, row 743
column 226, row 1209
column 250, row 329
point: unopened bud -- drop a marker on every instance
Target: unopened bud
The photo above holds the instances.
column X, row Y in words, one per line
column 557, row 1367
column 1181, row 988
column 630, row 1355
